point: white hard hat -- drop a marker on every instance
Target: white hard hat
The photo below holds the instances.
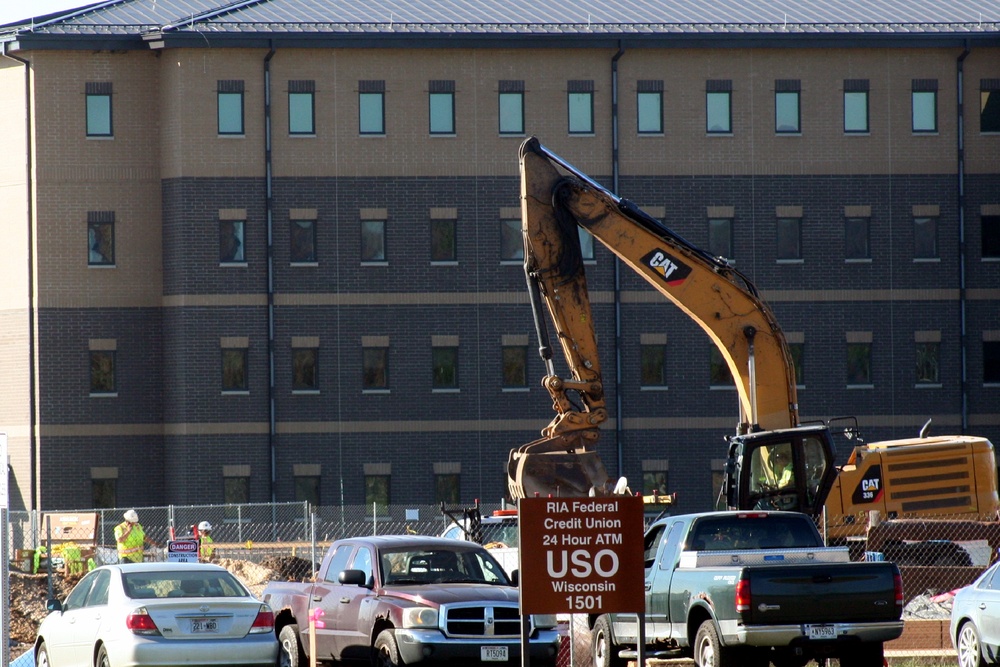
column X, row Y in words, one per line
column 204, row 525
column 131, row 516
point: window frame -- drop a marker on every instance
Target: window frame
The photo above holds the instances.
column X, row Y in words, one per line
column 857, row 220
column 856, row 95
column 719, row 375
column 445, row 368
column 787, row 89
column 652, row 92
column 307, row 488
column 659, row 351
column 921, row 89
column 989, row 230
column 102, row 488
column 859, row 364
column 513, row 111
column 98, row 224
column 299, row 356
column 371, row 91
column 991, row 363
column 989, row 106
column 238, row 385
column 374, row 364
column 302, row 89
column 110, row 387
column 441, row 100
column 237, row 232
column 372, row 493
column 447, row 488
column 780, row 239
column 232, row 92
column 450, row 226
column 378, row 255
column 716, row 91
column 920, row 238
column 797, row 352
column 296, row 233
column 510, row 228
column 928, row 361
column 505, row 376
column 580, row 107
column 96, row 91
column 713, row 238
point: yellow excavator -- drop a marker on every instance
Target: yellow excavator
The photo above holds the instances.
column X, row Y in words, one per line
column 774, row 461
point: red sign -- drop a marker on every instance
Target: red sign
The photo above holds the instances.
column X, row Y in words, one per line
column 581, row 555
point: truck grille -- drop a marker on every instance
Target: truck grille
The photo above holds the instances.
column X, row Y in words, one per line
column 482, row 621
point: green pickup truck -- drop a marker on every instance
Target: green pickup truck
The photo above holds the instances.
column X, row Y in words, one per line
column 752, row 588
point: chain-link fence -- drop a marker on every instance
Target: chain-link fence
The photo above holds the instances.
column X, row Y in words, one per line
column 936, row 556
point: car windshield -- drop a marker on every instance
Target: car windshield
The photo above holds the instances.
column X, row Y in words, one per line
column 182, row 584
column 441, row 565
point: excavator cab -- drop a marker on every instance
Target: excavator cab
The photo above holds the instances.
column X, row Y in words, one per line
column 788, row 469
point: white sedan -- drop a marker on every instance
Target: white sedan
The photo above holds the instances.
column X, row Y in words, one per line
column 192, row 614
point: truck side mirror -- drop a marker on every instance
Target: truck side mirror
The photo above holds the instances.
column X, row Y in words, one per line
column 515, row 577
column 354, row 578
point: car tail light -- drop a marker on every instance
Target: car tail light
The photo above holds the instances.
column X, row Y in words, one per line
column 743, row 595
column 264, row 621
column 141, row 623
column 897, row 584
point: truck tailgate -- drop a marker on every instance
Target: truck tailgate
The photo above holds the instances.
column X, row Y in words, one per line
column 822, row 593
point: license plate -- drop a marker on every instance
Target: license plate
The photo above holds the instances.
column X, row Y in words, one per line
column 821, row 631
column 204, row 625
column 493, row 653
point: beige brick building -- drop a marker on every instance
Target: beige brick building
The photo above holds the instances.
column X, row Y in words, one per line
column 261, row 254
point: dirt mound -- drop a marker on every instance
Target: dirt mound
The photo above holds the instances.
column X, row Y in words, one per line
column 289, row 568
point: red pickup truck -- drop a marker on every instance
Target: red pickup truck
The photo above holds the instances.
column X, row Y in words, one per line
column 403, row 599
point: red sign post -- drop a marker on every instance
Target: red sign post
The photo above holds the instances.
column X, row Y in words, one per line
column 581, row 555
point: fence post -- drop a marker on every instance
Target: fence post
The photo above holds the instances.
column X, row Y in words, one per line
column 305, row 520
column 239, row 523
column 312, row 560
column 374, row 518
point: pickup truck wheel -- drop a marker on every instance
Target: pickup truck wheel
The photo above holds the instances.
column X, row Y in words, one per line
column 970, row 648
column 604, row 649
column 290, row 653
column 386, row 651
column 709, row 651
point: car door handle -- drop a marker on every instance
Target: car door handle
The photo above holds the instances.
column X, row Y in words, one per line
column 345, row 600
column 317, row 598
column 982, row 605
column 649, row 586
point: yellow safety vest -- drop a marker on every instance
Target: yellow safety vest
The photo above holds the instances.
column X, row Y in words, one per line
column 206, row 547
column 130, row 548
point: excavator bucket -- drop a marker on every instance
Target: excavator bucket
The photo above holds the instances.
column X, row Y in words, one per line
column 557, row 466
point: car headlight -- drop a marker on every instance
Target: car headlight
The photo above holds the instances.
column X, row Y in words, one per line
column 420, row 617
column 544, row 621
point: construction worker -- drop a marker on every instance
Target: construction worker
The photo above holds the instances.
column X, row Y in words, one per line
column 131, row 539
column 205, row 548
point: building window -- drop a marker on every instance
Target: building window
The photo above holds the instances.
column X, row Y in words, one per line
column 649, row 107
column 989, row 226
column 302, row 241
column 101, row 238
column 235, row 490
column 859, row 363
column 653, row 363
column 447, row 489
column 371, row 107
column 928, row 356
column 442, row 107
column 991, row 362
column 655, row 481
column 989, row 105
column 718, row 106
column 718, row 370
column 234, row 369
column 99, row 109
column 230, row 97
column 796, row 351
column 373, row 240
column 375, row 367
column 924, row 105
column 719, row 500
column 302, row 107
column 511, row 243
column 515, row 366
column 856, row 105
column 586, row 244
column 720, row 237
column 104, row 493
column 444, row 362
column 377, row 492
column 305, row 369
column 102, row 372
column 788, row 238
column 925, row 238
column 511, row 107
column 307, row 489
column 787, row 112
column 443, row 248
column 580, row 105
column 857, row 238
column 231, row 242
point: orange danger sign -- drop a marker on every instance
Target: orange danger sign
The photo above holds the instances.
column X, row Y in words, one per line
column 581, row 555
